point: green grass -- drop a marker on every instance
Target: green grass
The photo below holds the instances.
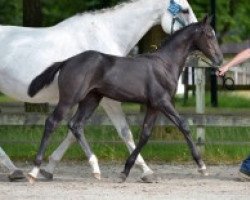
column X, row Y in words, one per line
column 226, row 99
column 4, row 99
column 228, row 102
column 26, row 140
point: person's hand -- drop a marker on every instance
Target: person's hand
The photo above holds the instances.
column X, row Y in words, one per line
column 222, row 71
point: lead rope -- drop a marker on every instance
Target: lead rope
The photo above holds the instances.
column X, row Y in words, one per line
column 227, row 82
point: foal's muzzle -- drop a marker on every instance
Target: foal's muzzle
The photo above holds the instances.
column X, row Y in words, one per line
column 218, row 60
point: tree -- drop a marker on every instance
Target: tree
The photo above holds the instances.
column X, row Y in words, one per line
column 11, row 12
column 32, row 17
column 32, row 13
column 233, row 24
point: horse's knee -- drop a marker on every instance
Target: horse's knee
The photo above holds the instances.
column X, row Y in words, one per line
column 75, row 129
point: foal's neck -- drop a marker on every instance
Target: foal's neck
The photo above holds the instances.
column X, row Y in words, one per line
column 176, row 50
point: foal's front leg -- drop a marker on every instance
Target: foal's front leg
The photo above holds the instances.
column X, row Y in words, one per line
column 148, row 124
column 116, row 115
column 169, row 111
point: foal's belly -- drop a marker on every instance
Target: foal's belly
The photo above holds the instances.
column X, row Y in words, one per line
column 124, row 94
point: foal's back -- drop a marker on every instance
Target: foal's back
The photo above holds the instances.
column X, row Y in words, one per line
column 127, row 77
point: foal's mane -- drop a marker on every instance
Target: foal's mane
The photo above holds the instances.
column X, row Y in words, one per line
column 178, row 32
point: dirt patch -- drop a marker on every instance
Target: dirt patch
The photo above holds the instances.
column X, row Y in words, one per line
column 175, row 182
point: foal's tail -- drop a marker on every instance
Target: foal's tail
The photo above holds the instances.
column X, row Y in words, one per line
column 44, row 79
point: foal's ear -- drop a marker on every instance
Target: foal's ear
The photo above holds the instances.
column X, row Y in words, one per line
column 207, row 20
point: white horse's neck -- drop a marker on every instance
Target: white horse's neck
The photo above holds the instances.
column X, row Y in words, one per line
column 133, row 21
column 125, row 24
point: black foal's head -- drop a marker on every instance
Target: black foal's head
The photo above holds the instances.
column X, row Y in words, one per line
column 206, row 41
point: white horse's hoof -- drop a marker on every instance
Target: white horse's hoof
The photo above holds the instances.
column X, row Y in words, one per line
column 149, row 178
column 46, row 175
column 16, row 175
column 203, row 172
column 97, row 176
column 31, row 179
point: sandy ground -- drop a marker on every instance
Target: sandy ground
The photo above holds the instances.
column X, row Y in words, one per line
column 175, row 182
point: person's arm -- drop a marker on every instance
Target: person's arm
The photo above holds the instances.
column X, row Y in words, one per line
column 238, row 59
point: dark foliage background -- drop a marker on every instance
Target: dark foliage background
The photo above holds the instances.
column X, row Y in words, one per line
column 233, row 19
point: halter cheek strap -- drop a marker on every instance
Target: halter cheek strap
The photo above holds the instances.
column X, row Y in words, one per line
column 175, row 9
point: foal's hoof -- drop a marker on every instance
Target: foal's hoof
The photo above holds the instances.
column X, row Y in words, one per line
column 16, row 175
column 31, row 179
column 47, row 175
column 149, row 178
column 203, row 172
column 122, row 177
column 97, row 176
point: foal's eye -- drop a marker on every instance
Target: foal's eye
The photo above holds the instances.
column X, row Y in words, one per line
column 210, row 35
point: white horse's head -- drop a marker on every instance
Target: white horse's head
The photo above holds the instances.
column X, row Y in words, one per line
column 181, row 14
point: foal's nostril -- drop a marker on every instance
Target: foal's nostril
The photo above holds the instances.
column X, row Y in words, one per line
column 218, row 59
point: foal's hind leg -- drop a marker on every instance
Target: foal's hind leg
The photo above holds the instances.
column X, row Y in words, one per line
column 114, row 111
column 84, row 111
column 57, row 155
column 167, row 108
column 50, row 125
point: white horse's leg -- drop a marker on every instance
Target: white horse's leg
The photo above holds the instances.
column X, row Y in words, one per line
column 6, row 162
column 57, row 155
column 15, row 173
column 116, row 115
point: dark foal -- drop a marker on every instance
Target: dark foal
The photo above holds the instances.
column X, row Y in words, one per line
column 149, row 79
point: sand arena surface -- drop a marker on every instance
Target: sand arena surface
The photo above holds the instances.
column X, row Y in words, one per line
column 175, row 182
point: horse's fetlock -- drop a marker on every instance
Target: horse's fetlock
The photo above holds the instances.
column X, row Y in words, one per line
column 38, row 162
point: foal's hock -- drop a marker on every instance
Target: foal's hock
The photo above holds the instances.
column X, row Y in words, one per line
column 150, row 79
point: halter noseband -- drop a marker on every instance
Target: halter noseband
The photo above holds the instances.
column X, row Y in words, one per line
column 175, row 9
